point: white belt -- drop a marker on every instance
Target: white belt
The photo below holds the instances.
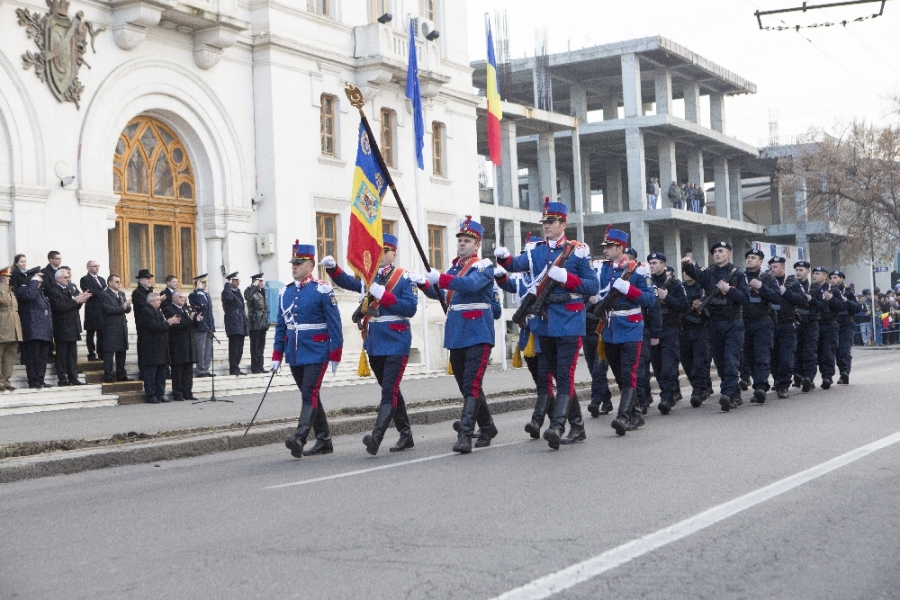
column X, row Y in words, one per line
column 472, row 306
column 387, row 318
column 306, row 326
column 624, row 313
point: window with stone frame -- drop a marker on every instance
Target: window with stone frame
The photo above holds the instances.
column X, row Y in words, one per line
column 428, row 9
column 438, row 133
column 388, row 227
column 326, row 239
column 388, row 122
column 320, row 7
column 378, row 8
column 327, row 124
column 436, row 246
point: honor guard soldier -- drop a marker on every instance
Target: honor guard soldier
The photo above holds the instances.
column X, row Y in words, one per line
column 560, row 324
column 728, row 288
column 236, row 325
column 468, row 289
column 204, row 333
column 806, row 356
column 308, row 337
column 384, row 322
column 793, row 297
column 759, row 328
column 829, row 330
column 664, row 355
column 694, row 342
column 847, row 328
column 601, row 396
column 622, row 294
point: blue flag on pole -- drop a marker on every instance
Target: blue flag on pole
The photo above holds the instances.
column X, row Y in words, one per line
column 412, row 92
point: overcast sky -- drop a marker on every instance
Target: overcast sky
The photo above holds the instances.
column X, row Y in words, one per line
column 818, row 76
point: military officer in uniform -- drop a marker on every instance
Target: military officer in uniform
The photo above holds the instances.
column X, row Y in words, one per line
column 258, row 318
column 785, row 342
column 664, row 355
column 561, row 325
column 204, row 331
column 694, row 343
column 37, row 326
column 847, row 328
column 236, row 326
column 728, row 286
column 308, row 337
column 652, row 330
column 392, row 302
column 829, row 330
column 759, row 328
column 806, row 356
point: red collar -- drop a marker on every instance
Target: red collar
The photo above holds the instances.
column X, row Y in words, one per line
column 300, row 284
column 461, row 262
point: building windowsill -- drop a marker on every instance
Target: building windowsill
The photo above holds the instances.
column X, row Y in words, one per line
column 332, row 161
column 441, row 180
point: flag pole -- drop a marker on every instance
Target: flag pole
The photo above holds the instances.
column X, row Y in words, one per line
column 357, row 101
column 420, row 221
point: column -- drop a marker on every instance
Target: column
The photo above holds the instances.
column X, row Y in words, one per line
column 723, row 198
column 586, row 186
column 535, row 200
column 667, row 171
column 646, row 108
column 577, row 183
column 610, row 107
column 717, row 112
column 695, row 166
column 512, row 235
column 631, row 85
column 565, row 190
column 802, row 239
column 736, row 195
column 547, row 165
column 776, row 199
column 215, row 281
column 637, row 173
column 692, row 101
column 700, row 247
column 508, row 171
column 612, row 192
column 663, row 79
column 640, row 238
column 672, row 248
column 578, row 102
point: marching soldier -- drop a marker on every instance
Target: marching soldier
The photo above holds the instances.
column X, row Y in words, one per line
column 308, row 337
column 236, row 325
column 784, row 347
column 806, row 356
column 694, row 343
column 829, row 330
column 468, row 289
column 561, row 325
column 384, row 323
column 664, row 355
column 847, row 328
column 728, row 287
column 759, row 329
column 601, row 396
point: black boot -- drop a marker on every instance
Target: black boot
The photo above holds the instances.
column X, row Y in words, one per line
column 626, row 400
column 826, row 384
column 844, row 379
column 401, row 421
column 466, row 426
column 486, row 428
column 296, row 442
column 637, row 418
column 576, row 423
column 594, row 409
column 759, row 396
column 781, row 393
column 798, row 381
column 696, row 398
column 373, row 440
column 606, row 407
column 323, row 435
column 537, row 417
column 744, row 384
column 805, row 385
column 558, row 423
column 725, row 402
column 665, row 406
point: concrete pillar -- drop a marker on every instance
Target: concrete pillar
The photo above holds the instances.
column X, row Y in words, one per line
column 637, row 172
column 215, row 280
column 612, row 191
column 579, row 201
column 565, row 190
column 5, row 257
column 535, row 200
column 723, row 198
column 610, row 107
column 802, row 239
column 736, row 196
column 695, row 166
column 578, row 101
column 586, row 186
column 777, row 200
column 700, row 247
column 646, row 108
column 672, row 248
column 640, row 237
column 547, row 165
column 663, row 91
column 508, row 171
column 667, row 171
column 512, row 236
column 631, row 85
column 717, row 112
column 692, row 101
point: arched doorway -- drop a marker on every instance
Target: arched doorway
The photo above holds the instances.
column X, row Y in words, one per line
column 157, row 213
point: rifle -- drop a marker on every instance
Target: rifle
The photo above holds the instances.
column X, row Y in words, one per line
column 709, row 297
column 364, row 310
column 536, row 304
column 601, row 309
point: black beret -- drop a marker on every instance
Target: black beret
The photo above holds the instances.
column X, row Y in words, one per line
column 723, row 244
column 656, row 256
column 631, row 252
column 801, row 263
column 758, row 253
column 820, row 270
column 838, row 273
column 777, row 259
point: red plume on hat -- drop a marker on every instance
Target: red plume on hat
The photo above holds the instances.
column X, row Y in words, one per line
column 546, row 203
column 468, row 220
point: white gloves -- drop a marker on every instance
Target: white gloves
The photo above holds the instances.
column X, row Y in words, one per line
column 377, row 290
column 416, row 278
column 499, row 272
column 276, row 364
column 501, row 252
column 328, row 262
column 558, row 274
column 622, row 285
column 594, row 299
column 583, row 251
column 334, row 365
column 433, row 276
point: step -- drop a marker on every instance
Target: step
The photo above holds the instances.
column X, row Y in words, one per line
column 56, row 398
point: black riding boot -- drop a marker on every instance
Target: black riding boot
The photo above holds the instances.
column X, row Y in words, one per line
column 323, row 435
column 537, row 417
column 296, row 442
column 466, row 426
column 576, row 423
column 373, row 440
column 558, row 423
column 626, row 405
column 486, row 428
column 401, row 421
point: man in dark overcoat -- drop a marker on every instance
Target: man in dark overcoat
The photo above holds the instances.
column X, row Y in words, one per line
column 153, row 348
column 182, row 352
column 93, row 311
column 258, row 315
column 236, row 326
column 66, row 325
column 114, row 328
column 37, row 327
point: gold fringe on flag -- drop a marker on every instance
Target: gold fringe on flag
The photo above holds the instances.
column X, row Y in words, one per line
column 529, row 347
column 449, row 367
column 601, row 349
column 517, row 358
column 363, row 369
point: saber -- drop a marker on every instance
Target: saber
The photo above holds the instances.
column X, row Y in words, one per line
column 249, row 425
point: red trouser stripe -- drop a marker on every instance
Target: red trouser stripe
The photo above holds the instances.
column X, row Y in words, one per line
column 634, row 367
column 572, row 369
column 315, row 394
column 479, row 375
column 395, row 393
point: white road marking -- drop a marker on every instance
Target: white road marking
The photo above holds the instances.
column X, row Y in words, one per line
column 564, row 579
column 382, row 467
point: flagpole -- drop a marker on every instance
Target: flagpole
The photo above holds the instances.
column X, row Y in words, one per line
column 497, row 244
column 420, row 219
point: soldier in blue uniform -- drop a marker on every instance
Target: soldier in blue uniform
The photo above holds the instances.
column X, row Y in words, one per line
column 806, row 357
column 561, row 326
column 784, row 347
column 728, row 286
column 847, row 328
column 601, row 396
column 829, row 330
column 468, row 290
column 759, row 328
column 664, row 355
column 694, row 343
column 392, row 302
column 624, row 324
column 308, row 337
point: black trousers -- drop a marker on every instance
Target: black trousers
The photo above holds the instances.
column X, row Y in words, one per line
column 558, row 359
column 235, row 353
column 845, row 343
column 532, row 363
column 389, row 372
column 309, row 379
column 34, row 355
column 469, row 365
column 154, row 380
column 664, row 358
column 694, row 346
column 756, row 361
column 642, row 391
column 66, row 361
column 119, row 365
column 89, row 340
column 829, row 333
column 623, row 360
column 806, row 357
column 257, row 348
column 183, row 380
column 598, row 368
column 784, row 354
column 726, row 339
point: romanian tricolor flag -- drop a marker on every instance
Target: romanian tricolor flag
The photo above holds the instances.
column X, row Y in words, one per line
column 366, row 246
column 494, row 112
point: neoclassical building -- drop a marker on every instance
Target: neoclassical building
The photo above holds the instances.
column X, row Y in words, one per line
column 206, row 136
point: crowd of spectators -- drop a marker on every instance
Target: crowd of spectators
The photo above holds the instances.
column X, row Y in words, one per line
column 886, row 319
column 687, row 196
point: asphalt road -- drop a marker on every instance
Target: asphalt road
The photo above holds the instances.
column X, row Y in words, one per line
column 679, row 509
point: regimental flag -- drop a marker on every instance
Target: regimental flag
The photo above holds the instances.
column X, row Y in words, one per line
column 494, row 112
column 415, row 95
column 365, row 247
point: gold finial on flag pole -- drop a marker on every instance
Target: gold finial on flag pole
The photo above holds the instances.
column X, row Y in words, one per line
column 355, row 96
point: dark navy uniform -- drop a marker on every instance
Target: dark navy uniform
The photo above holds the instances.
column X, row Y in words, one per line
column 785, row 343
column 847, row 329
column 236, row 324
column 759, row 332
column 601, row 396
column 806, row 356
column 694, row 343
column 664, row 356
column 829, row 333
